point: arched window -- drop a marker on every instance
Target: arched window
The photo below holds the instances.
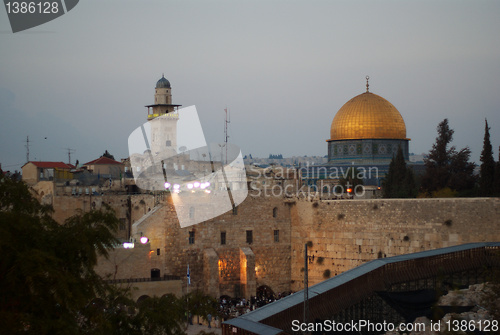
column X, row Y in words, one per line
column 275, row 212
column 155, row 274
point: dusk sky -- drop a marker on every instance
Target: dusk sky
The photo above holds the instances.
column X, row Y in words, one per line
column 282, row 68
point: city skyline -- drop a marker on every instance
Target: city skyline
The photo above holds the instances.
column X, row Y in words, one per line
column 81, row 82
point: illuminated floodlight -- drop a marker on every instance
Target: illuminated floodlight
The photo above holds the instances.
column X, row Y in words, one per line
column 144, row 239
column 207, row 191
column 167, row 185
column 177, row 186
column 128, row 245
column 190, row 186
column 196, row 184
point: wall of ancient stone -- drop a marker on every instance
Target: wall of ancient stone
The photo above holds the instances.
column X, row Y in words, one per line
column 346, row 233
column 128, row 263
column 66, row 206
column 342, row 234
column 260, row 215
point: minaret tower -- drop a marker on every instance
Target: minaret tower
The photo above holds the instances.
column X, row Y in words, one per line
column 163, row 117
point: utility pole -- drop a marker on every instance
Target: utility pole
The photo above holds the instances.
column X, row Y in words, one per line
column 306, row 287
column 27, row 149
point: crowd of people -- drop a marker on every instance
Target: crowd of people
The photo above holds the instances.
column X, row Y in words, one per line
column 233, row 307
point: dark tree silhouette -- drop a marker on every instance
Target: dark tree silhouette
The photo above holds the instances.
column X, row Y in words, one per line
column 487, row 172
column 447, row 168
column 108, row 155
column 400, row 179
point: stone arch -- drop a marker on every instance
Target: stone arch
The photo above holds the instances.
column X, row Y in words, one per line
column 155, row 274
column 265, row 291
column 143, row 298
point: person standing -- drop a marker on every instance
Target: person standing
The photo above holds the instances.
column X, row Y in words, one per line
column 209, row 319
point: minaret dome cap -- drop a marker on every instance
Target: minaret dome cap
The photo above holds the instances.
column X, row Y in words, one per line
column 163, row 83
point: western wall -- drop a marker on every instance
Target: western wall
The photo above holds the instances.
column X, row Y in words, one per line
column 341, row 233
column 346, row 233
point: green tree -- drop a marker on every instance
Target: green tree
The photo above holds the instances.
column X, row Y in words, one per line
column 400, row 179
column 487, row 172
column 108, row 155
column 496, row 185
column 47, row 275
column 162, row 316
column 201, row 304
column 445, row 167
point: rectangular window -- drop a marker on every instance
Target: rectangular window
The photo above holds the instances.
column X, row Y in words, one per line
column 222, row 237
column 249, row 236
column 191, row 237
column 276, row 236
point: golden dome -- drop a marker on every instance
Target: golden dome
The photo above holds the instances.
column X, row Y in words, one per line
column 367, row 116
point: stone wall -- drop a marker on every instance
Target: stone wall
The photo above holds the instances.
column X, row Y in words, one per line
column 155, row 288
column 260, row 215
column 342, row 234
column 66, row 206
column 347, row 233
column 128, row 263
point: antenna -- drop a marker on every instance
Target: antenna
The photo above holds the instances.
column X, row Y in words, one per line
column 27, row 149
column 69, row 154
column 226, row 122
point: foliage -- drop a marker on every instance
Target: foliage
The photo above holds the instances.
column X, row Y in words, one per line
column 400, row 180
column 160, row 316
column 487, row 172
column 444, row 193
column 447, row 167
column 47, row 270
column 47, row 280
column 108, row 155
column 201, row 305
column 496, row 184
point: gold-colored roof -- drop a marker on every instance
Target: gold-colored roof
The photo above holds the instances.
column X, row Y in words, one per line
column 367, row 116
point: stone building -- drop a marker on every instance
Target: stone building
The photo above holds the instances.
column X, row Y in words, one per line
column 105, row 167
column 34, row 172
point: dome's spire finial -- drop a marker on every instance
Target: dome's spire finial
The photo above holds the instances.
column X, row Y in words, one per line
column 163, row 75
column 367, row 85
